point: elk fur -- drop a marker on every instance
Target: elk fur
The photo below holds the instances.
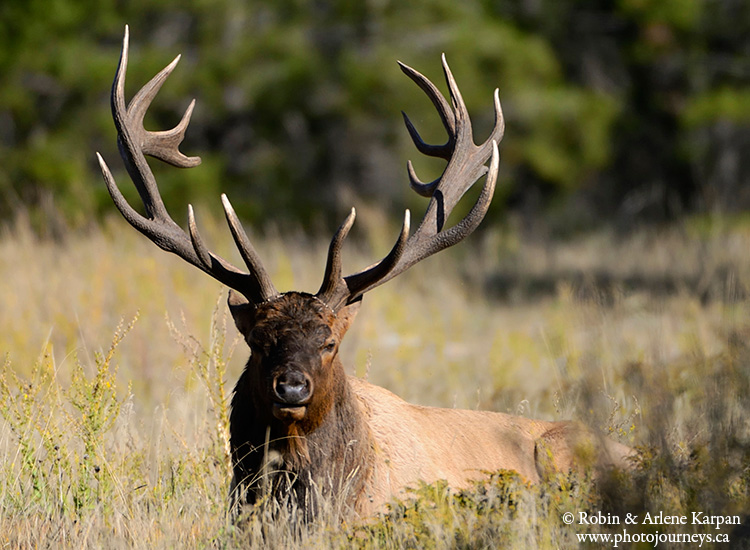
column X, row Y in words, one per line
column 364, row 445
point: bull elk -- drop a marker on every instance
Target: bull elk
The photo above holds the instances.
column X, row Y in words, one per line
column 300, row 427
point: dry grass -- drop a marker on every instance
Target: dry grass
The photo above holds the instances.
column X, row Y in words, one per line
column 120, row 441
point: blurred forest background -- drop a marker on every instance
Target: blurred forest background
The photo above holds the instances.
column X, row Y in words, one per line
column 628, row 110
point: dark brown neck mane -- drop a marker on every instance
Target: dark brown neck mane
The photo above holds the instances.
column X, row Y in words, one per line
column 327, row 454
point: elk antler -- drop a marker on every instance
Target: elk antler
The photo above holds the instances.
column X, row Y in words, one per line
column 134, row 142
column 466, row 164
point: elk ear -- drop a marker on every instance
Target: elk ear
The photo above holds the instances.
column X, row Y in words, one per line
column 345, row 317
column 243, row 312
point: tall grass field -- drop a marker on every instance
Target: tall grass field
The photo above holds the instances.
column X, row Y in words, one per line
column 117, row 363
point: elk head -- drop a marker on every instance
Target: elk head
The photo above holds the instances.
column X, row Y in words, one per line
column 294, row 372
column 294, row 369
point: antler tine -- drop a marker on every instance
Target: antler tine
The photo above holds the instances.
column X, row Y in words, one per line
column 135, row 142
column 466, row 164
column 162, row 145
column 200, row 249
column 471, row 221
column 443, row 108
column 456, row 121
column 370, row 277
column 422, row 243
column 337, row 291
column 258, row 274
column 332, row 278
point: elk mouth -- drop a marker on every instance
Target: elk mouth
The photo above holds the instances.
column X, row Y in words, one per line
column 292, row 392
column 289, row 412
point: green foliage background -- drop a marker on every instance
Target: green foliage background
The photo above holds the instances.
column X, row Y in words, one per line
column 642, row 105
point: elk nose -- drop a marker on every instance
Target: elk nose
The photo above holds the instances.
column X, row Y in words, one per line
column 292, row 388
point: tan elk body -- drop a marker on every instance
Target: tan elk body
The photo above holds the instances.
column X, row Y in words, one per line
column 301, row 429
column 426, row 443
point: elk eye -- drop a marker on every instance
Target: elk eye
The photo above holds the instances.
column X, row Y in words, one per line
column 329, row 346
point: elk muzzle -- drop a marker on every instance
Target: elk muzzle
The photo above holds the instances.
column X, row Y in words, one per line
column 292, row 391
